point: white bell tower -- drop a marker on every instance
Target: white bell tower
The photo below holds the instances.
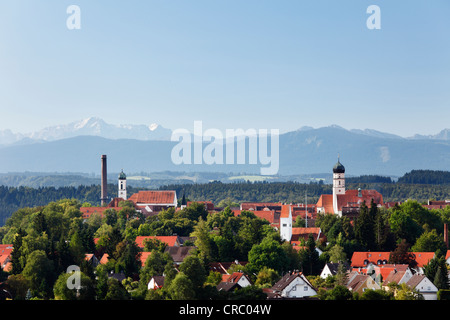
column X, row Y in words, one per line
column 286, row 224
column 338, row 183
column 122, row 186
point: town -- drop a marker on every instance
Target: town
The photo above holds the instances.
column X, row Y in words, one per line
column 159, row 245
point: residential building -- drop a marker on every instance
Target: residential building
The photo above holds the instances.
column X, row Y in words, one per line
column 424, row 286
column 178, row 253
column 331, row 269
column 363, row 259
column 152, row 202
column 237, row 277
column 156, row 282
column 362, row 282
column 294, row 285
column 222, row 267
column 5, row 256
column 400, row 274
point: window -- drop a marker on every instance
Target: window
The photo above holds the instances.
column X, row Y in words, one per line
column 305, row 288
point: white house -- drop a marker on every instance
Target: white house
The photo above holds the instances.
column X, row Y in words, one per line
column 156, row 282
column 331, row 269
column 239, row 278
column 424, row 285
column 294, row 285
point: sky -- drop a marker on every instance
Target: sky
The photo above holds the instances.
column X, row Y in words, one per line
column 262, row 64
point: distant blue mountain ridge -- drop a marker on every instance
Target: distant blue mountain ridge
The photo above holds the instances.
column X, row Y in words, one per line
column 77, row 147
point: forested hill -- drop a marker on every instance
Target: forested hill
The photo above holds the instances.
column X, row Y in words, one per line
column 426, row 177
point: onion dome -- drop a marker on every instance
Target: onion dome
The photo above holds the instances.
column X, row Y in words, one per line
column 122, row 176
column 338, row 168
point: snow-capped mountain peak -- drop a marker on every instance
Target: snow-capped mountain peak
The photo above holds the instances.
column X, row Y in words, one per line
column 92, row 126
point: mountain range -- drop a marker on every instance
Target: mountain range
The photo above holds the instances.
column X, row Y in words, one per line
column 87, row 127
column 77, row 147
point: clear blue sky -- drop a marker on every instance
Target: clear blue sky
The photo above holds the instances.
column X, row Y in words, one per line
column 273, row 64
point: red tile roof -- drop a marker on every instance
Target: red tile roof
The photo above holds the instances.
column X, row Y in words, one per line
column 386, row 269
column 7, row 267
column 395, row 274
column 268, row 215
column 257, row 205
column 358, row 258
column 326, row 202
column 169, row 240
column 6, row 248
column 362, row 259
column 143, row 257
column 285, row 209
column 104, row 259
column 349, row 199
column 303, row 233
column 4, row 258
column 88, row 211
column 88, row 256
column 153, row 197
column 225, row 277
column 422, row 258
column 234, row 277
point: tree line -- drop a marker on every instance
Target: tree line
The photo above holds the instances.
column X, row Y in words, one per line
column 294, row 192
column 14, row 198
column 426, row 177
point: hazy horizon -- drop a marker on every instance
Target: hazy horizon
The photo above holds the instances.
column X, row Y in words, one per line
column 57, row 125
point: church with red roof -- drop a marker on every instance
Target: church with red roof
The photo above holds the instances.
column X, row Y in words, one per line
column 345, row 202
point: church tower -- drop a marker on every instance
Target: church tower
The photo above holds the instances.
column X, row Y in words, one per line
column 286, row 223
column 338, row 183
column 122, row 186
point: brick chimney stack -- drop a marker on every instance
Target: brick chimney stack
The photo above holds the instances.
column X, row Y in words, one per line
column 104, row 195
